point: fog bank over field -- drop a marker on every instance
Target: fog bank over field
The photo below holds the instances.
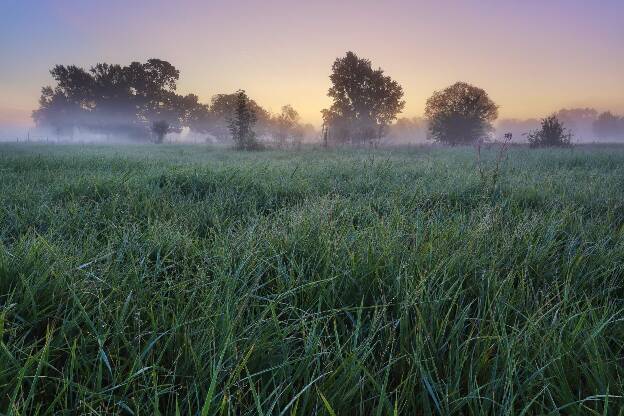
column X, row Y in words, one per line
column 33, row 134
column 587, row 125
column 140, row 103
column 403, row 131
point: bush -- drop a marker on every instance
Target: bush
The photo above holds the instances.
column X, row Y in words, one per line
column 551, row 133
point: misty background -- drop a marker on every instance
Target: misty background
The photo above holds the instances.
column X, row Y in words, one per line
column 533, row 58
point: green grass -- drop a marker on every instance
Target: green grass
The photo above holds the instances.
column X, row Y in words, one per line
column 166, row 280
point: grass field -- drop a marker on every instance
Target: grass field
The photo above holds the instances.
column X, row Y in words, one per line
column 165, row 280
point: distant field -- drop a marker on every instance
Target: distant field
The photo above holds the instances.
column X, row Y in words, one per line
column 161, row 279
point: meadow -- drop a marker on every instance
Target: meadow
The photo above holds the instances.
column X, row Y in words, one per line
column 158, row 280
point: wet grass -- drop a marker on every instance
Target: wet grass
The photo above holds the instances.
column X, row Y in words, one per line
column 194, row 280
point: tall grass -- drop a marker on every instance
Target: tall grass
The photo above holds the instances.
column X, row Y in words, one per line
column 189, row 280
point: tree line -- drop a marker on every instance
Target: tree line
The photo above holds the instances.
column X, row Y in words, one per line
column 608, row 126
column 141, row 101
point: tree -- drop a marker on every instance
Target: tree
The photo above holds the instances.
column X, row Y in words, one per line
column 160, row 129
column 551, row 133
column 609, row 126
column 460, row 114
column 365, row 101
column 195, row 115
column 241, row 124
column 115, row 99
column 222, row 109
column 287, row 127
column 69, row 103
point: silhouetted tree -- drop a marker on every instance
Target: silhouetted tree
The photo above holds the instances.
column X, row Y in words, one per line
column 114, row 99
column 460, row 114
column 69, row 103
column 609, row 126
column 287, row 127
column 365, row 101
column 242, row 122
column 160, row 129
column 222, row 109
column 551, row 133
column 195, row 115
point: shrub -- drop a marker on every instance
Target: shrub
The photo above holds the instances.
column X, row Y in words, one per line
column 551, row 133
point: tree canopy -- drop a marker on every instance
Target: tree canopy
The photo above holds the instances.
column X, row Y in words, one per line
column 364, row 100
column 224, row 106
column 135, row 100
column 460, row 114
column 287, row 127
column 241, row 123
column 115, row 99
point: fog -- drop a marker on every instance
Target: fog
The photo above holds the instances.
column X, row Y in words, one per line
column 116, row 104
column 403, row 132
column 582, row 123
column 587, row 125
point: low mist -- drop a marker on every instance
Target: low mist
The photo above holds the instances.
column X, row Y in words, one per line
column 139, row 103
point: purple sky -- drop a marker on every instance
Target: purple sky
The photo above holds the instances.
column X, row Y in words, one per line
column 533, row 57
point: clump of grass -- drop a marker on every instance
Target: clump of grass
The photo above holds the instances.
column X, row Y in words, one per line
column 188, row 280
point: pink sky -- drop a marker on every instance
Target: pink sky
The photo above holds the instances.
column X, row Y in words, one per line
column 533, row 57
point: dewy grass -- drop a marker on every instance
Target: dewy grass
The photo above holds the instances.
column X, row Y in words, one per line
column 191, row 280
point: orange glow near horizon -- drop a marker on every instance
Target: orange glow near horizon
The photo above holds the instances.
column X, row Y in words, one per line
column 532, row 57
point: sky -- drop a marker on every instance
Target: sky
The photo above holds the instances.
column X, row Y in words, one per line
column 533, row 57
